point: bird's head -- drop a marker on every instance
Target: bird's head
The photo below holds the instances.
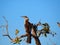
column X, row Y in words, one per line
column 25, row 17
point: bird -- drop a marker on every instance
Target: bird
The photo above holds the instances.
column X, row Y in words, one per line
column 35, row 28
column 28, row 27
column 58, row 24
column 34, row 33
column 44, row 30
column 46, row 27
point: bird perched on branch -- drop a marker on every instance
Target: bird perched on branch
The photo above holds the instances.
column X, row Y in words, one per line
column 34, row 33
column 46, row 27
column 44, row 30
column 28, row 27
column 35, row 28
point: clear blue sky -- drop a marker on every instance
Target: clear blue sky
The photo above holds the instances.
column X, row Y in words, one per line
column 37, row 10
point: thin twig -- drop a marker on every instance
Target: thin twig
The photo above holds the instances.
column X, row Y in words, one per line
column 6, row 26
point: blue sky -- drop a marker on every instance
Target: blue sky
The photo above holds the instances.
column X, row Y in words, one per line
column 37, row 10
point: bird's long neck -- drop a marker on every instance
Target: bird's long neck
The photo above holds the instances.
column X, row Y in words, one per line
column 26, row 21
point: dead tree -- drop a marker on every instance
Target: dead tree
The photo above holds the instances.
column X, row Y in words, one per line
column 6, row 26
column 13, row 40
column 31, row 31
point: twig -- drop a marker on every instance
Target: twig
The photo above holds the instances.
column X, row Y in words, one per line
column 8, row 36
column 6, row 26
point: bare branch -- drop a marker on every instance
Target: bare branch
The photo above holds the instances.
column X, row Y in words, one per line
column 23, row 35
column 2, row 26
column 38, row 24
column 6, row 24
column 8, row 36
column 5, row 19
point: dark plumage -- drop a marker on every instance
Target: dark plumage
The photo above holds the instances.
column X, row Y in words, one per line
column 28, row 27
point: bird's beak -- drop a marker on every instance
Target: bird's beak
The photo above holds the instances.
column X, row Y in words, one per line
column 22, row 16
